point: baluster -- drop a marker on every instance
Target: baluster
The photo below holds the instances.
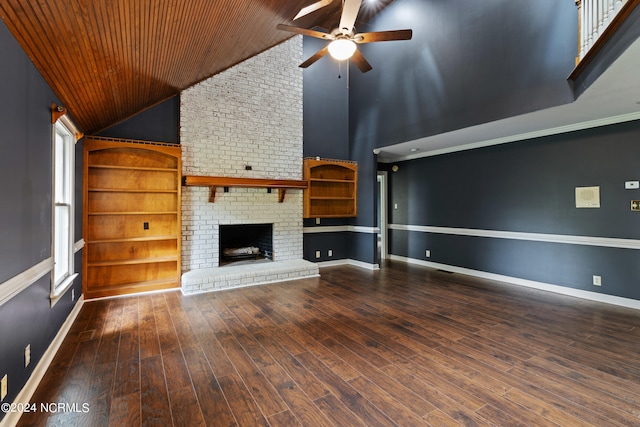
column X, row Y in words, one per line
column 601, row 15
column 609, row 13
column 585, row 27
column 580, row 31
column 590, row 26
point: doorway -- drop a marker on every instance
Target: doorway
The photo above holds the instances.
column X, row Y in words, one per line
column 382, row 249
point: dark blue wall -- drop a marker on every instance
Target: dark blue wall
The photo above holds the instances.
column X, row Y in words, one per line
column 160, row 123
column 325, row 106
column 25, row 216
column 529, row 187
column 468, row 63
column 326, row 135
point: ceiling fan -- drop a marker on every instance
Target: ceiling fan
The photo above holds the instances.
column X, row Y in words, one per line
column 344, row 38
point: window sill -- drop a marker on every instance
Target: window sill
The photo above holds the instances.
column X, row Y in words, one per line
column 62, row 289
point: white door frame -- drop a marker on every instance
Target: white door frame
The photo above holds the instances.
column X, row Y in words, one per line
column 382, row 185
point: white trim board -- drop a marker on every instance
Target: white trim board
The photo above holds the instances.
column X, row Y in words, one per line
column 341, row 229
column 22, row 281
column 18, row 283
column 389, row 157
column 349, row 261
column 578, row 293
column 24, row 397
column 608, row 242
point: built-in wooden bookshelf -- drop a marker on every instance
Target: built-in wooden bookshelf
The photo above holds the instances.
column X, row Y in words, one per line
column 332, row 188
column 131, row 216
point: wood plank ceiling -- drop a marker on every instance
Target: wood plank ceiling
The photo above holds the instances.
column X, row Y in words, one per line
column 109, row 59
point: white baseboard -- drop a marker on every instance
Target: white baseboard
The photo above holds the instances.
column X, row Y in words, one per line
column 348, row 261
column 578, row 293
column 24, row 397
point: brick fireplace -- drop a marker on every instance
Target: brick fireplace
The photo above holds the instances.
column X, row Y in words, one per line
column 247, row 123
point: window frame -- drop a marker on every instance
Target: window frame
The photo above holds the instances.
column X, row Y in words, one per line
column 63, row 239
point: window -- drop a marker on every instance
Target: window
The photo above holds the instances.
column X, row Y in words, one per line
column 63, row 206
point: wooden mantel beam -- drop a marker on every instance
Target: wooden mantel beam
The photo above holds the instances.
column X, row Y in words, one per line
column 222, row 181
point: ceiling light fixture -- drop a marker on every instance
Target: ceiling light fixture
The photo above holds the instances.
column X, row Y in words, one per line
column 342, row 49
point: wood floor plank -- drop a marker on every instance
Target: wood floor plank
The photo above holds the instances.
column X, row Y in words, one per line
column 544, row 409
column 244, row 408
column 283, row 419
column 259, row 387
column 299, row 403
column 335, row 363
column 589, row 375
column 310, row 384
column 349, row 396
column 100, row 394
column 401, row 393
column 185, row 409
column 337, row 412
column 405, row 345
column 125, row 411
column 392, row 408
column 127, row 379
column 154, row 400
column 438, row 418
column 459, row 368
column 620, row 397
column 606, row 405
column 211, row 399
column 149, row 344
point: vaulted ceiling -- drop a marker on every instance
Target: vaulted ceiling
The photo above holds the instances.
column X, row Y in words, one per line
column 109, row 59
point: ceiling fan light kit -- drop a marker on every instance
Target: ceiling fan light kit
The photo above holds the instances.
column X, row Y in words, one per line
column 344, row 39
column 342, row 49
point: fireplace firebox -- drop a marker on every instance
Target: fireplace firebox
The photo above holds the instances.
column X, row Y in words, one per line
column 241, row 242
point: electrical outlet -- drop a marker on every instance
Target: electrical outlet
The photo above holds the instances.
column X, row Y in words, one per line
column 330, row 253
column 3, row 387
column 597, row 280
column 317, row 254
column 317, row 221
column 427, row 253
column 73, row 295
column 27, row 355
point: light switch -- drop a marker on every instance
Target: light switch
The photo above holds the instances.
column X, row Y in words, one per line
column 632, row 185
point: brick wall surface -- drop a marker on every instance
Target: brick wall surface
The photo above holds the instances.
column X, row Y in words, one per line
column 251, row 115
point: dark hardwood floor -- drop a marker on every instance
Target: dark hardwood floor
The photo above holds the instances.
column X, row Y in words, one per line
column 403, row 346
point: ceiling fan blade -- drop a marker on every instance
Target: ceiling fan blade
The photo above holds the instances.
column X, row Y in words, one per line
column 305, row 32
column 312, row 8
column 383, row 36
column 350, row 11
column 319, row 54
column 361, row 62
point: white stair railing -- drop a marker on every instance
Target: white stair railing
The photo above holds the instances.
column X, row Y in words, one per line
column 594, row 17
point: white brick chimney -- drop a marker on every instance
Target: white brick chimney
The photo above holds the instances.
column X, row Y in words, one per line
column 249, row 115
